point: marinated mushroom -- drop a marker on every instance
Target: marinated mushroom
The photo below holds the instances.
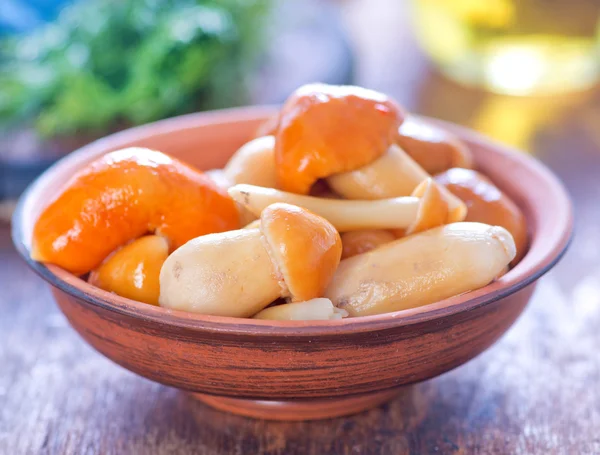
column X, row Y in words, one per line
column 133, row 270
column 325, row 129
column 487, row 204
column 421, row 269
column 293, row 254
column 319, row 309
column 121, row 196
column 411, row 213
column 434, row 148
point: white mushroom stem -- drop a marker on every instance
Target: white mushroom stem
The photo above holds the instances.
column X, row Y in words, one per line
column 253, row 163
column 319, row 309
column 252, row 225
column 293, row 254
column 421, row 269
column 397, row 213
column 392, row 175
column 225, row 274
column 343, row 214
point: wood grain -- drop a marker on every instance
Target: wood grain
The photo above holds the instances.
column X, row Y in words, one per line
column 534, row 392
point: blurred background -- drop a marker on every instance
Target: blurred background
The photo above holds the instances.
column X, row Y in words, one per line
column 521, row 71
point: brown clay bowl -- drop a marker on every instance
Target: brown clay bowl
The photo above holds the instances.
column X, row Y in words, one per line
column 298, row 370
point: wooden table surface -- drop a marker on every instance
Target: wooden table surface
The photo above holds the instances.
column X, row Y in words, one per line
column 537, row 391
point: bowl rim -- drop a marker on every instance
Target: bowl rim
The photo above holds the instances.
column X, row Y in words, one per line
column 515, row 280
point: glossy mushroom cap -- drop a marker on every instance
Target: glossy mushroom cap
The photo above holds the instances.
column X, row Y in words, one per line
column 434, row 148
column 359, row 242
column 305, row 248
column 133, row 270
column 487, row 204
column 325, row 129
column 433, row 208
column 122, row 196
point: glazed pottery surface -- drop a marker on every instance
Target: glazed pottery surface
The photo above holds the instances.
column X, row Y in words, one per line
column 298, row 370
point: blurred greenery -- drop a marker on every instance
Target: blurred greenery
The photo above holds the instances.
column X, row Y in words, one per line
column 106, row 63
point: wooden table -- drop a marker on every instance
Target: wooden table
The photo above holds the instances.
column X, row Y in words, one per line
column 537, row 391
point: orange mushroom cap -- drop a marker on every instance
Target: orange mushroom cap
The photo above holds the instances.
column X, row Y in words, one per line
column 434, row 148
column 433, row 207
column 325, row 129
column 487, row 204
column 133, row 270
column 305, row 247
column 122, row 196
column 359, row 242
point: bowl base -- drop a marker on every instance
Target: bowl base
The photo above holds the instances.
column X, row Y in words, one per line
column 298, row 410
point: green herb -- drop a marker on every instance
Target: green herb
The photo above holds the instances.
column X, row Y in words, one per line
column 111, row 62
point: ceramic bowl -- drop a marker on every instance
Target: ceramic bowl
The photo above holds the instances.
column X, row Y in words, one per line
column 298, row 370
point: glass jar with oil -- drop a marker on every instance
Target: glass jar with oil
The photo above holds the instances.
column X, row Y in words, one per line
column 518, row 47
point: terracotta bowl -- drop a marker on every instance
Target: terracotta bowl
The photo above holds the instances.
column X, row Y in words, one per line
column 298, row 370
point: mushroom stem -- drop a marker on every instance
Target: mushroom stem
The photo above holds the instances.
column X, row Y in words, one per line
column 392, row 175
column 411, row 213
column 318, row 309
column 227, row 274
column 252, row 225
column 345, row 215
column 421, row 269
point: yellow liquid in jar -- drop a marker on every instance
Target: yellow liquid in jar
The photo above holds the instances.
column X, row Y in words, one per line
column 518, row 47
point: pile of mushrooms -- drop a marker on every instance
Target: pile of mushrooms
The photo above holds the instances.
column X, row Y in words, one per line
column 348, row 176
column 348, row 207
